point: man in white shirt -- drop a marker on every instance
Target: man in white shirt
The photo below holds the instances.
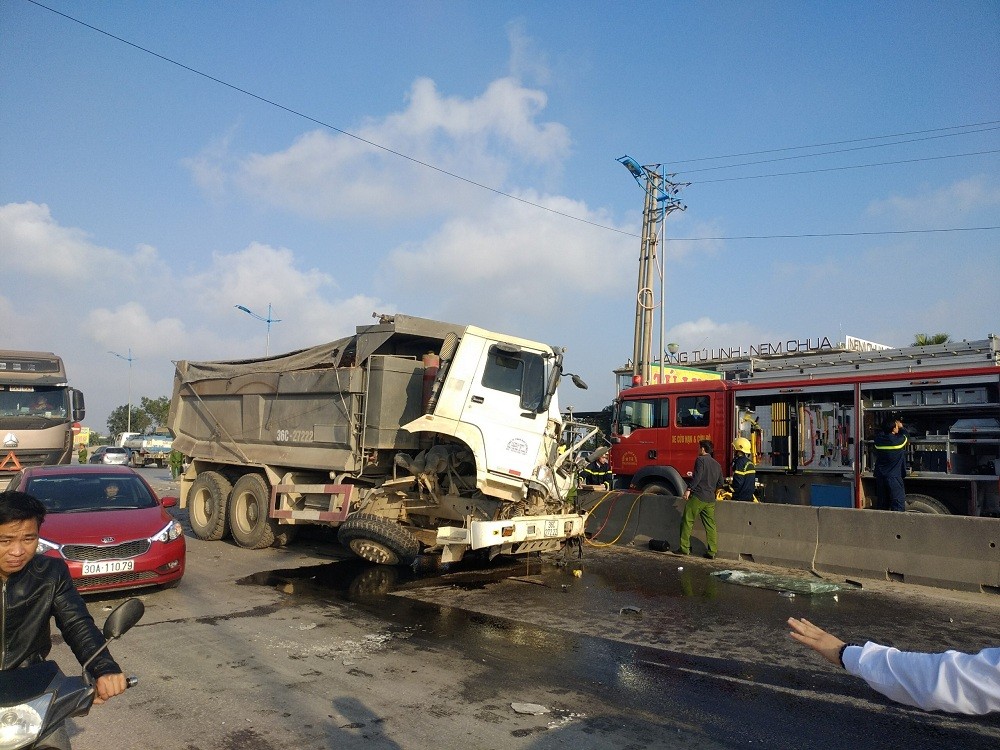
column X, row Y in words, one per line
column 950, row 681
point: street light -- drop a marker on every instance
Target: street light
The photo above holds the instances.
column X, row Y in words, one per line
column 128, row 359
column 268, row 320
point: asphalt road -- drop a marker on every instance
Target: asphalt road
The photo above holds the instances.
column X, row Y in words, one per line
column 626, row 648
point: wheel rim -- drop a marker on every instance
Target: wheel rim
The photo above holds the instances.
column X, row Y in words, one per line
column 373, row 552
column 199, row 508
column 246, row 512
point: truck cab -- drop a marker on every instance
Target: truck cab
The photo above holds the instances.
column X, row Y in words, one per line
column 656, row 430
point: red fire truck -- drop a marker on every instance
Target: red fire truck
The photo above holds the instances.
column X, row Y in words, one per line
column 811, row 419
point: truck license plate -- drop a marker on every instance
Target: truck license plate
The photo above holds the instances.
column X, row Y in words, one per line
column 551, row 527
column 107, row 566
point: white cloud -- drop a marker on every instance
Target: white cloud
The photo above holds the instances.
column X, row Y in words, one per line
column 512, row 261
column 943, row 207
column 325, row 175
column 527, row 61
column 29, row 235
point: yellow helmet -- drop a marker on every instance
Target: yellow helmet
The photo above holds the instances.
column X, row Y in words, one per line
column 742, row 444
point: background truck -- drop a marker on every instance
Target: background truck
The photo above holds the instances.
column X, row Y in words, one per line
column 811, row 420
column 148, row 449
column 38, row 411
column 410, row 434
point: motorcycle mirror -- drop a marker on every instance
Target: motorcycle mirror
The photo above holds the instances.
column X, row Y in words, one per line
column 124, row 616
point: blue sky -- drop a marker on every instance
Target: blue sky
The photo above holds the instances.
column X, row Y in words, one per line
column 140, row 201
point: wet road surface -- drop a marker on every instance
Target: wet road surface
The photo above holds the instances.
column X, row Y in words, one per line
column 626, row 648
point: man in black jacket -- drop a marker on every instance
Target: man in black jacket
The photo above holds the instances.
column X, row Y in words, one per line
column 36, row 588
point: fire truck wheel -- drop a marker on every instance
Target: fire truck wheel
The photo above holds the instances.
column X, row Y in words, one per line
column 655, row 488
column 249, row 508
column 925, row 504
column 377, row 540
column 208, row 500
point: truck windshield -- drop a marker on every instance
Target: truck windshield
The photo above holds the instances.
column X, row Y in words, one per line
column 650, row 412
column 32, row 402
column 518, row 373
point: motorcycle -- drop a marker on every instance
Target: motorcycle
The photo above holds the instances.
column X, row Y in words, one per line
column 35, row 700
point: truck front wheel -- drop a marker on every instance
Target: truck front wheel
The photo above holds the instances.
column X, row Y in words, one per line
column 208, row 500
column 249, row 507
column 377, row 540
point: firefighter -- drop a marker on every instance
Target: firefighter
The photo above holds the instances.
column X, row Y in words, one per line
column 890, row 465
column 744, row 472
column 598, row 472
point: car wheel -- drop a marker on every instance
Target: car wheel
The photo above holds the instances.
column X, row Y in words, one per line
column 208, row 501
column 249, row 505
column 379, row 541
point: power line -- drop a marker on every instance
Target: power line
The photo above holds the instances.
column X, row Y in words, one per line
column 840, row 169
column 524, row 201
column 837, row 143
column 835, row 151
column 834, row 234
column 334, row 128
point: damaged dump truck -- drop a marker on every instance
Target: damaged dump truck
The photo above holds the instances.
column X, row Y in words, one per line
column 412, row 435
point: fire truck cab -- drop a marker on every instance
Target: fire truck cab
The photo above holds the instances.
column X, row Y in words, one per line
column 811, row 420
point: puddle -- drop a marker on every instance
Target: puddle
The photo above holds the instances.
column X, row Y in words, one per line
column 357, row 580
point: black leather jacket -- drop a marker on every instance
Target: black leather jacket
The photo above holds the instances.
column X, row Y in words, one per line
column 43, row 589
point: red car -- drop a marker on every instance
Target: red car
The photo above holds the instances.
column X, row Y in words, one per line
column 107, row 524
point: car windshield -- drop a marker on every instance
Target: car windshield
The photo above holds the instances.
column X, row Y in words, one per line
column 74, row 493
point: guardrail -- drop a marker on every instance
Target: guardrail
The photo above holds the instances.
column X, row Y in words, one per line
column 953, row 552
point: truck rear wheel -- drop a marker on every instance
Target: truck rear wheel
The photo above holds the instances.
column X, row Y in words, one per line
column 376, row 540
column 249, row 506
column 925, row 504
column 208, row 500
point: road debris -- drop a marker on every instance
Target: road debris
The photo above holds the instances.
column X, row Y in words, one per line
column 532, row 709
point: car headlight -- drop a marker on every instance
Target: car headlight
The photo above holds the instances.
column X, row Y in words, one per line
column 20, row 724
column 44, row 545
column 170, row 532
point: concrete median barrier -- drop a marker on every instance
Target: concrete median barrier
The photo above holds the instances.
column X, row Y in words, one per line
column 945, row 551
column 631, row 518
column 765, row 533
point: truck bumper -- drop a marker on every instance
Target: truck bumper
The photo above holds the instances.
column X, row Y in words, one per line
column 513, row 531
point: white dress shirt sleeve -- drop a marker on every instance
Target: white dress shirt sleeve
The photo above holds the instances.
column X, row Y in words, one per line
column 952, row 681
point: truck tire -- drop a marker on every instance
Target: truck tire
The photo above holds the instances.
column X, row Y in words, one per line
column 655, row 489
column 925, row 504
column 249, row 506
column 379, row 541
column 208, row 501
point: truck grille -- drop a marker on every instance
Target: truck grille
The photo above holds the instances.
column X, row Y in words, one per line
column 91, row 552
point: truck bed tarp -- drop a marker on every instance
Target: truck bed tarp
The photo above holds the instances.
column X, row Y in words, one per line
column 315, row 357
column 362, row 345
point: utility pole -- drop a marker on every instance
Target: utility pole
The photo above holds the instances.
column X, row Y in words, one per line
column 661, row 200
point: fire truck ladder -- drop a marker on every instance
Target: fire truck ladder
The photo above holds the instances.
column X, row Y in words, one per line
column 955, row 355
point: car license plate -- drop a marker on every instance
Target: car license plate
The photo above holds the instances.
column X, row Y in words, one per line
column 551, row 527
column 107, row 566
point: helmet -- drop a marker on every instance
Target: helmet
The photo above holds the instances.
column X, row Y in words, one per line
column 742, row 444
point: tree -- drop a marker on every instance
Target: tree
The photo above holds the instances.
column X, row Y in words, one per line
column 926, row 339
column 157, row 410
column 118, row 420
